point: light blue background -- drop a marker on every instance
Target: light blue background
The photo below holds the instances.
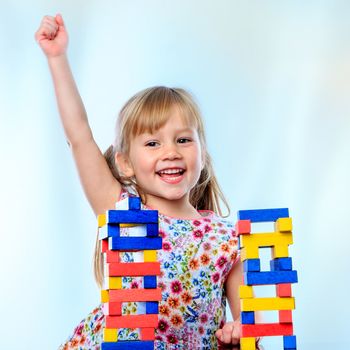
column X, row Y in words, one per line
column 272, row 79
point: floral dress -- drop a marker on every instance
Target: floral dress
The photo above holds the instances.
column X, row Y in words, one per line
column 195, row 261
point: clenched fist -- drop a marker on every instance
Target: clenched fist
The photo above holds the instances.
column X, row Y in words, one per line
column 229, row 335
column 52, row 36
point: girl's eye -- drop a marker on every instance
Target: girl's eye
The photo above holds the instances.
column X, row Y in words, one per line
column 151, row 144
column 183, row 140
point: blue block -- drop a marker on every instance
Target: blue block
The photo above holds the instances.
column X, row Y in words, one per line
column 270, row 277
column 281, row 264
column 128, row 345
column 149, row 282
column 289, row 342
column 132, row 216
column 251, row 265
column 152, row 307
column 112, row 231
column 247, row 317
column 152, row 230
column 134, row 203
column 134, row 243
column 263, row 215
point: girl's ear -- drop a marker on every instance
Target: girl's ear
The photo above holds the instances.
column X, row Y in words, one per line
column 123, row 164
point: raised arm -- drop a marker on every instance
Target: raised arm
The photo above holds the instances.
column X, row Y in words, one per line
column 101, row 188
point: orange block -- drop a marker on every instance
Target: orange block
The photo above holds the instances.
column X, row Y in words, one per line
column 133, row 269
column 125, row 295
column 104, row 245
column 266, row 329
column 112, row 256
column 285, row 316
column 132, row 321
column 147, row 334
column 284, row 290
column 112, row 308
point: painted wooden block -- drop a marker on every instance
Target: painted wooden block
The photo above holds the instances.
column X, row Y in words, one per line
column 270, row 277
column 112, row 308
column 125, row 295
column 266, row 329
column 132, row 216
column 112, row 282
column 104, row 296
column 251, row 253
column 101, row 220
column 243, row 227
column 280, row 251
column 132, row 321
column 135, row 243
column 247, row 343
column 263, row 215
column 251, row 265
column 112, row 256
column 266, row 304
column 134, row 203
column 281, row 264
column 290, row 342
column 104, row 245
column 248, row 317
column 147, row 334
column 109, row 231
column 149, row 282
column 110, row 335
column 150, row 256
column 246, row 292
column 133, row 269
column 284, row 225
column 128, row 345
column 152, row 230
column 152, row 307
column 285, row 316
column 269, row 239
column 284, row 290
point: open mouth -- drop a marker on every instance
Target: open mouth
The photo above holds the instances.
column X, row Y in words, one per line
column 171, row 173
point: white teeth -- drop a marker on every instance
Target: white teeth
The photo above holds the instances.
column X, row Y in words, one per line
column 170, row 171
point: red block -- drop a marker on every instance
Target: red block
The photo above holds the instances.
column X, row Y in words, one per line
column 132, row 321
column 133, row 269
column 284, row 290
column 266, row 329
column 104, row 245
column 112, row 308
column 112, row 256
column 285, row 316
column 147, row 334
column 125, row 295
column 243, row 227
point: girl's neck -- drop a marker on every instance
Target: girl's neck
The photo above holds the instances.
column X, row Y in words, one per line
column 180, row 208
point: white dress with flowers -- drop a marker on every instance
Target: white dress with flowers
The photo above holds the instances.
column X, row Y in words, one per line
column 196, row 258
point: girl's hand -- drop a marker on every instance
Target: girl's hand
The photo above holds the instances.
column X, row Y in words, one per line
column 229, row 335
column 52, row 36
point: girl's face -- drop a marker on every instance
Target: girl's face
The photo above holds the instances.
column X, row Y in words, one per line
column 167, row 163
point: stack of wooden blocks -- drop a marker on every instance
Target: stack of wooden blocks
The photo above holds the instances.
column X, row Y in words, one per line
column 280, row 274
column 143, row 237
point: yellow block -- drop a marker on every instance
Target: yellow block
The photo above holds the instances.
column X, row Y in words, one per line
column 110, row 334
column 104, row 296
column 261, row 240
column 128, row 225
column 284, row 225
column 280, row 251
column 150, row 256
column 246, row 292
column 101, row 220
column 247, row 343
column 252, row 253
column 267, row 304
column 114, row 283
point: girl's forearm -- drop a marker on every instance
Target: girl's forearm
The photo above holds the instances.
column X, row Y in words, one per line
column 70, row 104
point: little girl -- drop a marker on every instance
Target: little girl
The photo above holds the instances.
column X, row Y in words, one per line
column 160, row 154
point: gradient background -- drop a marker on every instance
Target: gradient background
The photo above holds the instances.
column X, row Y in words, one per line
column 272, row 79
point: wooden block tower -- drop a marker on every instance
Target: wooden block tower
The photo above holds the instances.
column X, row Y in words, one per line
column 280, row 274
column 142, row 238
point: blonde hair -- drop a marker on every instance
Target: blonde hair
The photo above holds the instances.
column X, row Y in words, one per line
column 147, row 111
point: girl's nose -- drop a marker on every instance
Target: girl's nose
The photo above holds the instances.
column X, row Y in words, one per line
column 171, row 153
